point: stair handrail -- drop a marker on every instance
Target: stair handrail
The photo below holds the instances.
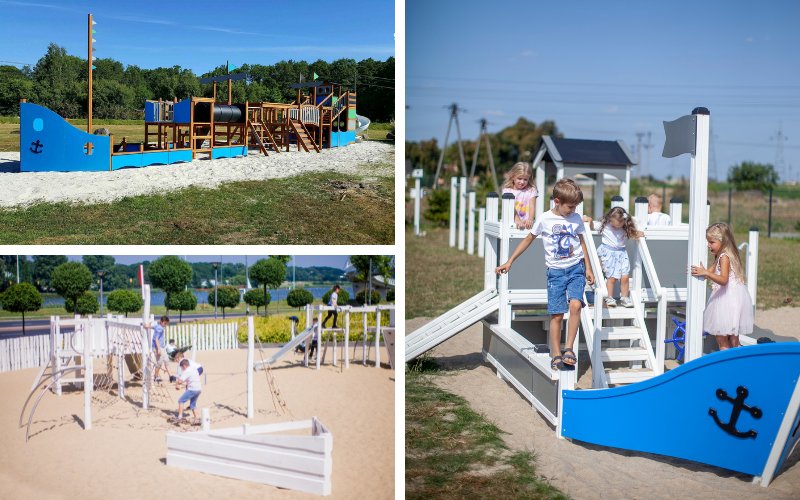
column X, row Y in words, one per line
column 646, row 259
column 600, row 293
column 340, row 105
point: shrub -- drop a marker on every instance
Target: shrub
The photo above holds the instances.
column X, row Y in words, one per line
column 344, row 297
column 299, row 297
column 361, row 297
column 86, row 304
column 124, row 301
column 390, row 295
column 271, row 329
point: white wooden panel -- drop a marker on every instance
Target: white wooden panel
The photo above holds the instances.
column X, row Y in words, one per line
column 319, row 486
column 252, row 452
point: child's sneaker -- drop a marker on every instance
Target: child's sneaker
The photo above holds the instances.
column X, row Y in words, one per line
column 610, row 302
column 625, row 302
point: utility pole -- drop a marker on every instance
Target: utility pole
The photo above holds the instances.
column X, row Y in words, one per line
column 712, row 155
column 454, row 109
column 484, row 134
column 639, row 136
column 779, row 140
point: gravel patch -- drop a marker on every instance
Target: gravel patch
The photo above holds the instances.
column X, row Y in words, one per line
column 22, row 189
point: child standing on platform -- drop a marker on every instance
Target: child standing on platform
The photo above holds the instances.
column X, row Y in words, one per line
column 568, row 269
column 616, row 228
column 729, row 312
column 519, row 182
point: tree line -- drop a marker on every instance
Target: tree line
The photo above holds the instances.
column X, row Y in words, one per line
column 58, row 81
column 520, row 142
column 38, row 271
column 73, row 280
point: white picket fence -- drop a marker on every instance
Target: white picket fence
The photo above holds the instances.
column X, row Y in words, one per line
column 24, row 352
column 32, row 351
column 204, row 337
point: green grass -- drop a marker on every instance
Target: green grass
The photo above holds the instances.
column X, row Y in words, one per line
column 454, row 452
column 308, row 209
column 438, row 277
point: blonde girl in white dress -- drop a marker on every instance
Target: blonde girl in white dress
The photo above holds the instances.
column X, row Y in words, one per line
column 729, row 312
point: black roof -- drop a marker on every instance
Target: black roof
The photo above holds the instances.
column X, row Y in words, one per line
column 591, row 152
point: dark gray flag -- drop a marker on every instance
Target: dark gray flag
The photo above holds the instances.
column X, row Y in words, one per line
column 681, row 136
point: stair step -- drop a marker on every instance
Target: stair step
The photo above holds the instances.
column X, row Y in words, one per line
column 615, row 312
column 621, row 333
column 628, row 375
column 624, row 354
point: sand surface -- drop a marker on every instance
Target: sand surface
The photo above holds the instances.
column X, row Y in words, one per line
column 123, row 455
column 19, row 189
column 586, row 471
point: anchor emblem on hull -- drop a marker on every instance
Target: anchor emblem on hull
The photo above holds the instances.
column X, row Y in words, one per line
column 36, row 147
column 738, row 406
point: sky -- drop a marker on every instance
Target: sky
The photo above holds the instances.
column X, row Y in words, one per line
column 610, row 70
column 198, row 34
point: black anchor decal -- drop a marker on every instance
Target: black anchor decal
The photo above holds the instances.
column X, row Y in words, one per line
column 36, row 147
column 738, row 406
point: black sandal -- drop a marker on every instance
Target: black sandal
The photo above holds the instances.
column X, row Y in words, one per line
column 556, row 363
column 569, row 357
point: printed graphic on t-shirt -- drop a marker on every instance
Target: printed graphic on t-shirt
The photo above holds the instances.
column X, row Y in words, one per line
column 562, row 241
column 522, row 209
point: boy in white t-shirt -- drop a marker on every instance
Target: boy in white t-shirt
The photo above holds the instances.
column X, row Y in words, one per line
column 191, row 379
column 568, row 268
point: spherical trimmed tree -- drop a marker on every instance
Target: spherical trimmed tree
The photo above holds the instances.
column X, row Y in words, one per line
column 299, row 297
column 124, row 301
column 270, row 273
column 181, row 301
column 71, row 280
column 170, row 274
column 227, row 296
column 21, row 298
column 256, row 298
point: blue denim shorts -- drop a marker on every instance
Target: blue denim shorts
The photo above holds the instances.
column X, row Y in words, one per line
column 564, row 285
column 190, row 396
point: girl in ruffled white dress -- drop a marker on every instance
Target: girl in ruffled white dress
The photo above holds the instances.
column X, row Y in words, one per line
column 729, row 312
column 616, row 228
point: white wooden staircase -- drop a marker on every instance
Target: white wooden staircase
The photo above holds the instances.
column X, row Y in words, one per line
column 624, row 344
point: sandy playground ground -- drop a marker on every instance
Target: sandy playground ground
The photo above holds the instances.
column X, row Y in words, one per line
column 20, row 189
column 585, row 471
column 124, row 454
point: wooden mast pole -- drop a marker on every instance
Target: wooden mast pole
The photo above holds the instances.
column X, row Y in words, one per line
column 89, row 121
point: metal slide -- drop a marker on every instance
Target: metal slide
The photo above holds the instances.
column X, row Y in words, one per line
column 363, row 124
column 299, row 339
column 450, row 323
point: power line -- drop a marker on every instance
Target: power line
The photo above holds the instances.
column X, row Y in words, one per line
column 584, row 83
